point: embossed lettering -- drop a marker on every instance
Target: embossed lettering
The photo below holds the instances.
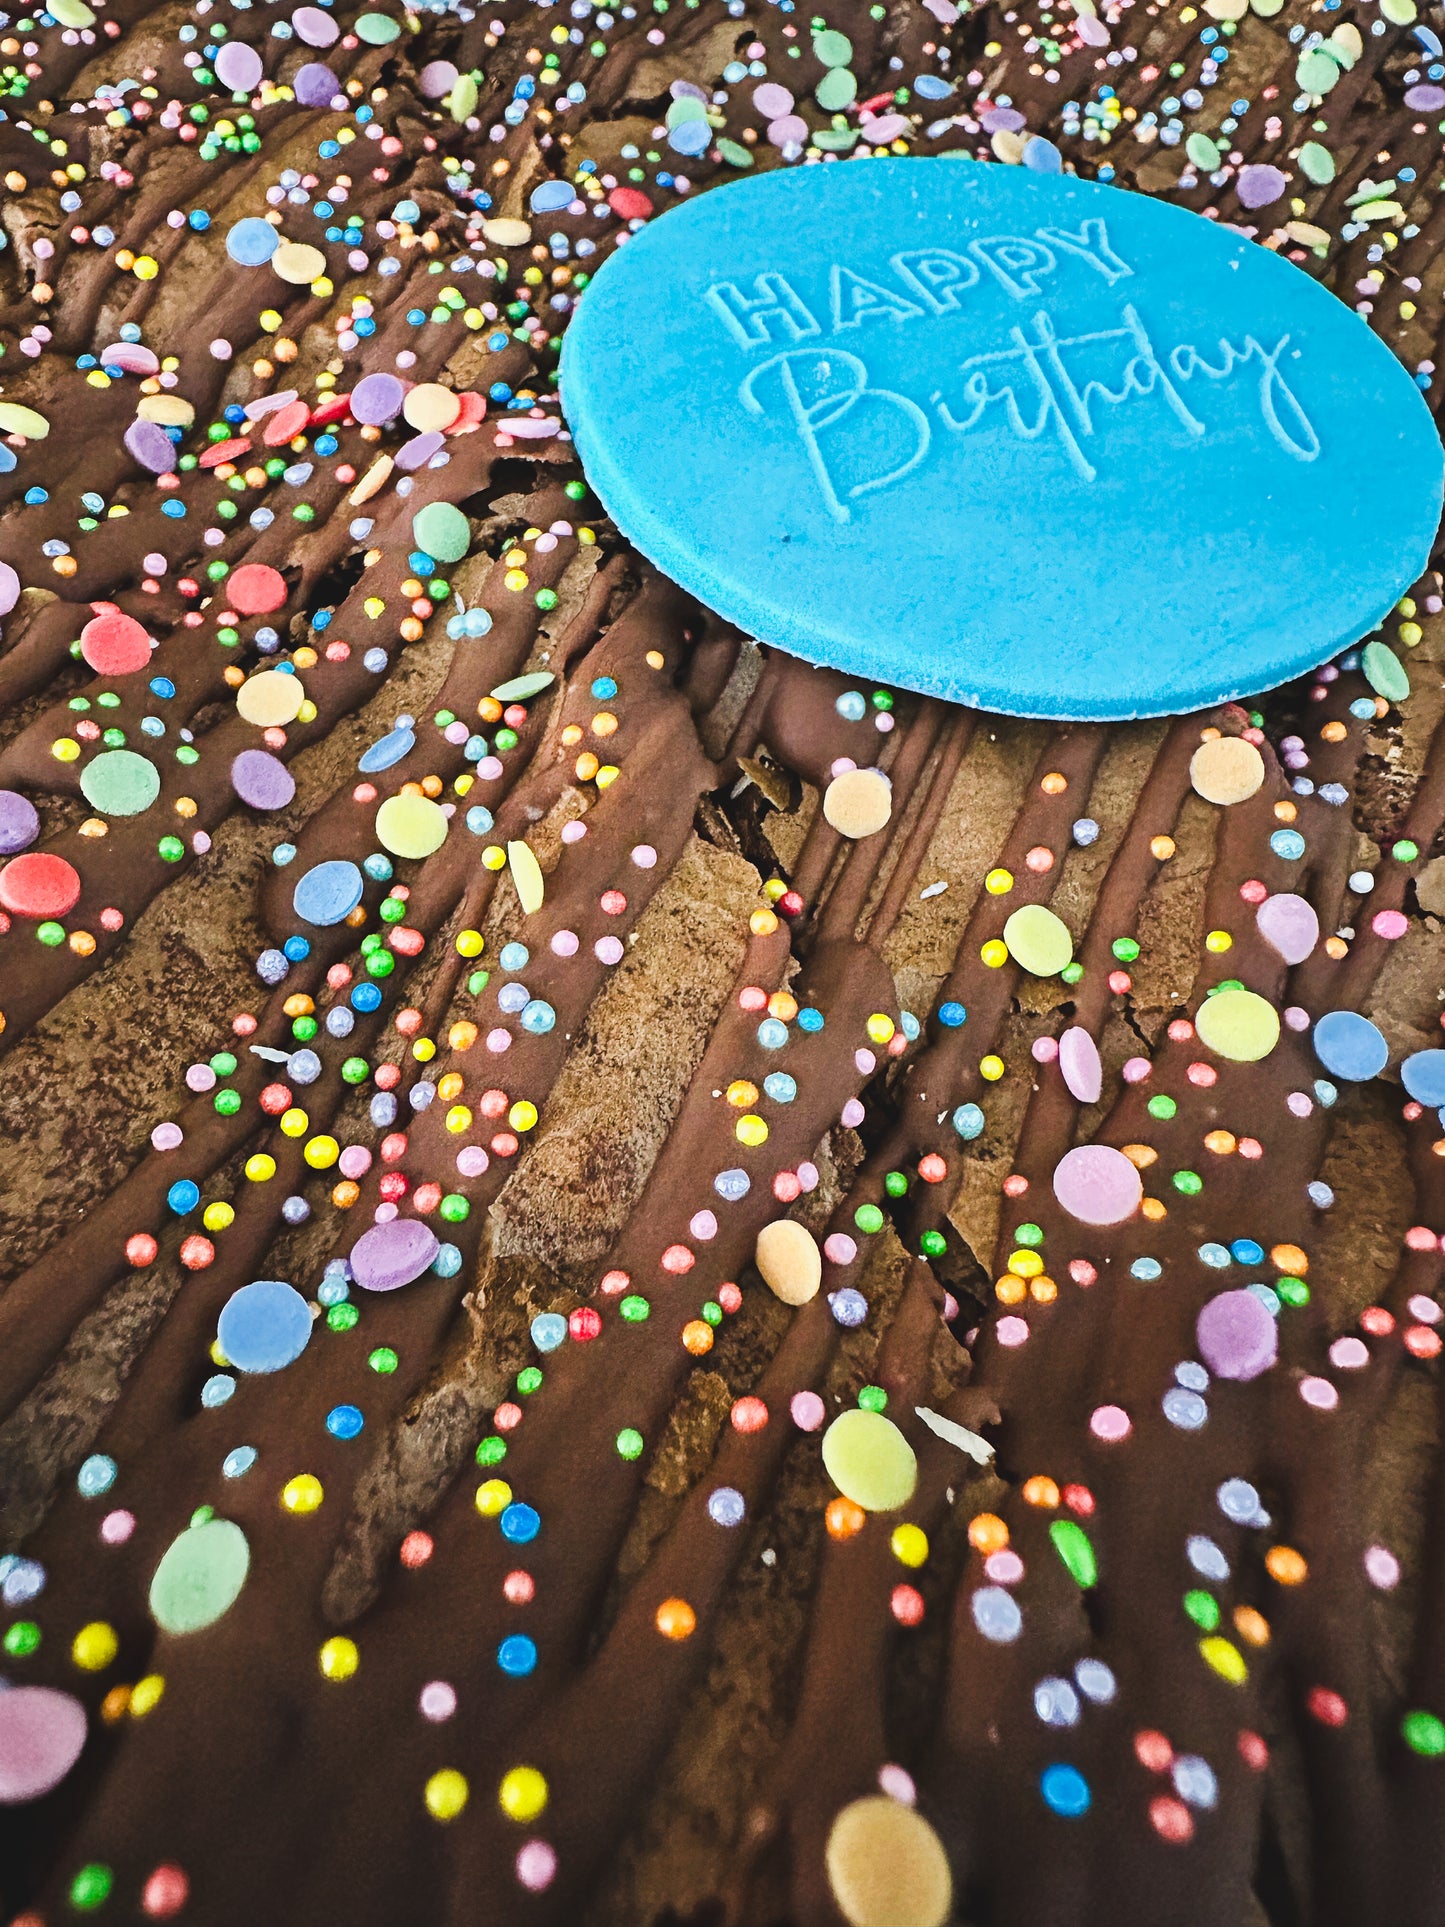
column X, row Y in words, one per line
column 1283, row 415
column 821, row 388
column 1042, row 392
column 855, row 300
column 936, row 276
column 1014, row 263
column 773, row 312
column 1090, row 244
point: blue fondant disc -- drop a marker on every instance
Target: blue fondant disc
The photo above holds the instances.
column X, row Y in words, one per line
column 1423, row 1075
column 328, row 893
column 1349, row 1046
column 264, row 1327
column 1011, row 438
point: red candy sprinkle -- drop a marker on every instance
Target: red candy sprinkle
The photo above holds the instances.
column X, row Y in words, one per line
column 256, row 589
column 115, row 644
column 39, row 885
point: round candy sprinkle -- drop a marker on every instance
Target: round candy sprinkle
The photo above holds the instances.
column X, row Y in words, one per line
column 151, row 446
column 1238, row 1025
column 270, row 699
column 429, row 406
column 1423, row 1075
column 262, row 780
column 442, row 531
column 1039, row 940
column 859, row 802
column 1226, row 770
column 317, row 86
column 200, row 1577
column 411, row 825
column 115, row 644
column 787, row 1256
column 264, row 1326
column 1065, row 1791
column 1097, row 1184
column 19, row 822
column 887, row 1866
column 1237, row 1336
column 239, row 67
column 328, row 892
column 1350, row 1046
column 39, row 885
column 298, row 263
column 256, row 589
column 118, row 782
column 1289, row 926
column 391, row 1255
column 869, row 1460
column 251, row 242
column 42, row 1733
column 377, row 399
column 316, row 28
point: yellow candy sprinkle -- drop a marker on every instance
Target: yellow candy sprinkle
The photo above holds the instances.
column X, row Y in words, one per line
column 493, row 1496
column 523, row 1794
column 1225, row 1658
column 446, row 1793
column 302, row 1494
column 910, row 1545
column 145, row 1695
column 339, row 1658
column 94, row 1646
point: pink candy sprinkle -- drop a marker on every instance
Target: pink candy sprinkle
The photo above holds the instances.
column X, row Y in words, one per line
column 438, row 1700
column 1319, row 1393
column 574, row 831
column 536, row 1866
column 607, row 950
column 1382, row 1568
column 839, row 1248
column 1136, row 1069
column 1111, row 1423
column 116, row 1527
column 1004, row 1568
column 1045, row 1050
column 1011, row 1332
column 564, row 943
column 165, row 1137
column 807, row 1411
column 1389, row 924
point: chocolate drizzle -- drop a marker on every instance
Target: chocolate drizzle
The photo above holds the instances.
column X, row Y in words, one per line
column 1282, row 1784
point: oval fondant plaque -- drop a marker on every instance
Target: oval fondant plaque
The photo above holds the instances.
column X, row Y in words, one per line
column 1021, row 441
